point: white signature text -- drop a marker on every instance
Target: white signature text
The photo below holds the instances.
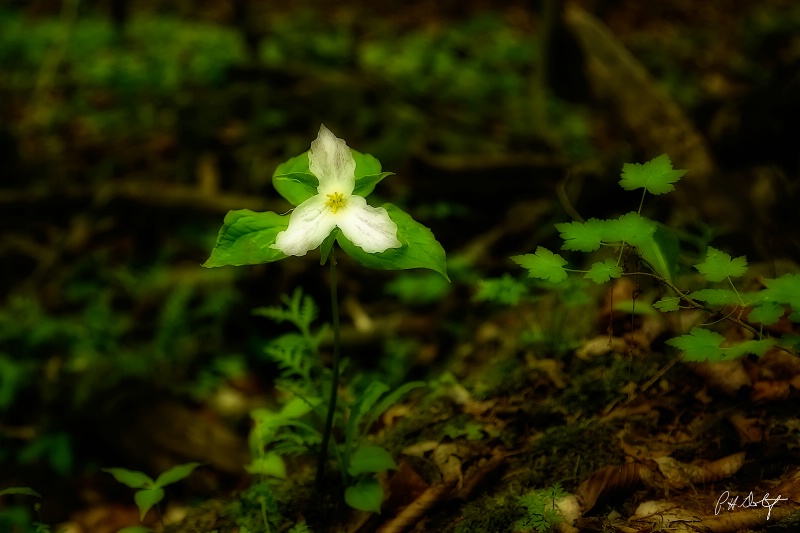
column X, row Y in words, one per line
column 731, row 503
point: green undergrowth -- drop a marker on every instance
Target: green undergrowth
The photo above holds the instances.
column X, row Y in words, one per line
column 635, row 245
column 563, row 455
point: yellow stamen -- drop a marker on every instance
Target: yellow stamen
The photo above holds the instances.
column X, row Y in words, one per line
column 336, row 201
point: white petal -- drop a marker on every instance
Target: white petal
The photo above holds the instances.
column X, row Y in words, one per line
column 369, row 228
column 331, row 161
column 309, row 224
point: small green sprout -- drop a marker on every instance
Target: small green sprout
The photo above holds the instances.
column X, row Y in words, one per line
column 150, row 492
column 540, row 506
column 39, row 527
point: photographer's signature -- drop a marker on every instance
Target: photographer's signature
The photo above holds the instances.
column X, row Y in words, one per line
column 731, row 503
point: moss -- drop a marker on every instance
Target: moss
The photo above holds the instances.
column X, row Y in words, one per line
column 489, row 513
column 502, row 377
column 602, row 380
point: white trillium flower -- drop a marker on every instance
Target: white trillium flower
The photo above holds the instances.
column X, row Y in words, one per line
column 335, row 205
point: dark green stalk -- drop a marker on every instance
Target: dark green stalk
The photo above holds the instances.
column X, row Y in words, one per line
column 326, row 436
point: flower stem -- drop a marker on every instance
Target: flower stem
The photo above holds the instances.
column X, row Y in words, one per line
column 326, row 436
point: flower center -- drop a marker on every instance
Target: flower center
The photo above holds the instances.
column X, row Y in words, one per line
column 335, row 201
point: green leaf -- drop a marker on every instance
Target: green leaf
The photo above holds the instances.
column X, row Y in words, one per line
column 270, row 464
column 388, row 401
column 767, row 313
column 366, row 184
column 24, row 491
column 668, row 304
column 366, row 167
column 419, row 249
column 602, row 272
column 715, row 296
column 369, row 459
column 327, row 245
column 296, row 187
column 298, row 407
column 631, row 228
column 362, row 406
column 366, row 495
column 582, row 236
column 131, row 478
column 246, row 238
column 657, row 176
column 784, row 290
column 790, row 340
column 661, row 250
column 294, row 181
column 299, row 190
column 756, row 347
column 543, row 264
column 146, row 498
column 176, row 473
column 719, row 265
column 700, row 345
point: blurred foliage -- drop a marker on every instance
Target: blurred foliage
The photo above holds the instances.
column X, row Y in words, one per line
column 156, row 55
column 457, row 88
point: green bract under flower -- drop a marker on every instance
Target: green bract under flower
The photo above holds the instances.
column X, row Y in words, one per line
column 328, row 184
column 335, row 205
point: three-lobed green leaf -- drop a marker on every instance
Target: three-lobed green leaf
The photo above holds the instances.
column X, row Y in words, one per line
column 631, row 227
column 543, row 264
column 604, row 271
column 719, row 265
column 656, row 176
column 582, row 236
column 784, row 290
column 767, row 313
column 667, row 304
column 705, row 345
column 699, row 345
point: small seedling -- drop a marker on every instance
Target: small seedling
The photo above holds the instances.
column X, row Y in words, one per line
column 39, row 527
column 542, row 514
column 150, row 492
